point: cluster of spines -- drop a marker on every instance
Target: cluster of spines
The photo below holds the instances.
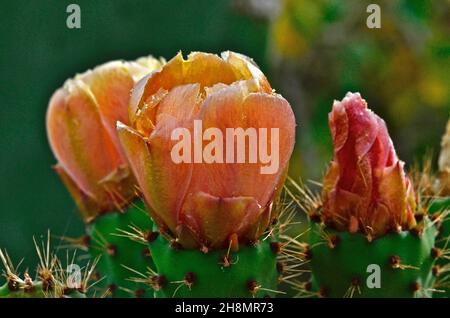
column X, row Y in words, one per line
column 438, row 208
column 52, row 280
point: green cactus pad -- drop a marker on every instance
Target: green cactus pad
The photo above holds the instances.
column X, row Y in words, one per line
column 118, row 252
column 340, row 260
column 441, row 205
column 191, row 273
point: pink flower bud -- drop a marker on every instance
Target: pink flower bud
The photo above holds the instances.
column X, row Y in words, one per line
column 365, row 188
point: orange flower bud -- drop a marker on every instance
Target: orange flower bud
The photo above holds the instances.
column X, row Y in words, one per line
column 365, row 188
column 203, row 197
column 81, row 128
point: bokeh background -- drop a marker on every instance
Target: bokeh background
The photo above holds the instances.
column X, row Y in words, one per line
column 312, row 52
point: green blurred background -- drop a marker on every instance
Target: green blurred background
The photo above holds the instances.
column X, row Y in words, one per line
column 312, row 51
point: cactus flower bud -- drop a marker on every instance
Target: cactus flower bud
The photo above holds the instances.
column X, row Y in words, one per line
column 365, row 188
column 202, row 197
column 444, row 163
column 81, row 128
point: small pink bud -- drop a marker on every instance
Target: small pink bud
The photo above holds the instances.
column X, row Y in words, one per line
column 365, row 188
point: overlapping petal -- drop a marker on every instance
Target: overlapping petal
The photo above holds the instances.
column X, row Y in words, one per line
column 202, row 68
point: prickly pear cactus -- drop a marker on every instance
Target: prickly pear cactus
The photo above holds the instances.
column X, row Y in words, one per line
column 118, row 240
column 250, row 272
column 368, row 219
column 215, row 214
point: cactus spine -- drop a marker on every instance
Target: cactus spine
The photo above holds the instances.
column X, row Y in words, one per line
column 52, row 279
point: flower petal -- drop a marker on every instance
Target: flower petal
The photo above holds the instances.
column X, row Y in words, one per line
column 247, row 69
column 363, row 126
column 231, row 108
column 74, row 126
column 393, row 193
column 150, row 158
column 214, row 220
column 181, row 103
column 110, row 84
column 338, row 122
column 202, row 68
